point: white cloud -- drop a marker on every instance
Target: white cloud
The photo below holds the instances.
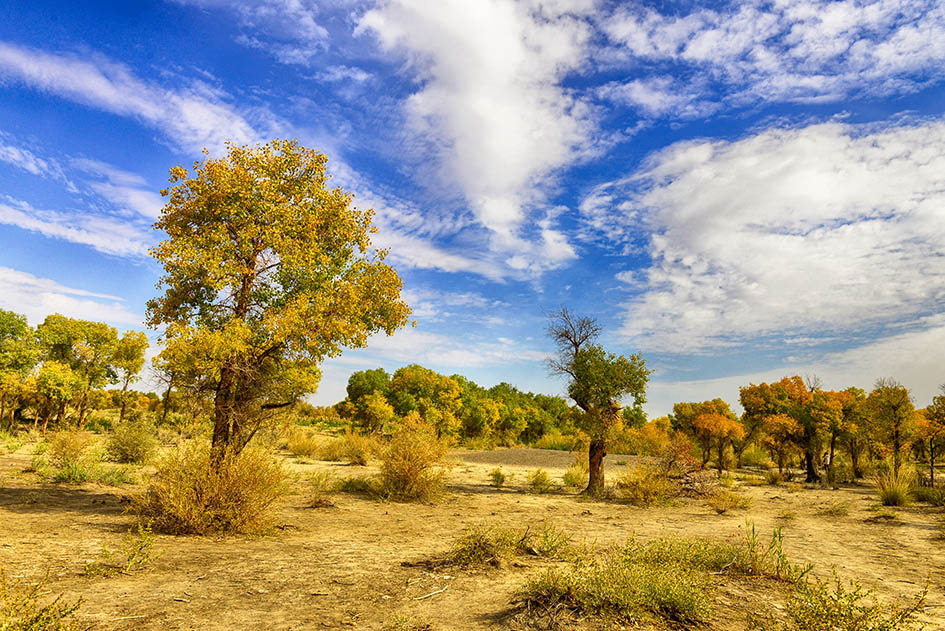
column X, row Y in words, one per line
column 193, row 117
column 125, row 189
column 37, row 297
column 492, row 107
column 105, row 234
column 334, row 74
column 788, row 50
column 286, row 29
column 824, row 229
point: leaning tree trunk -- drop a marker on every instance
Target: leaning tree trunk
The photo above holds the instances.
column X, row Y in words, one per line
column 595, row 460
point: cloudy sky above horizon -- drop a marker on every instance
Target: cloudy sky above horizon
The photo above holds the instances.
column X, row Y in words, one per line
column 737, row 190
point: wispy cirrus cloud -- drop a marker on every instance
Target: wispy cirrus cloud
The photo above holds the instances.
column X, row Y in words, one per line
column 193, row 116
column 107, row 234
column 814, row 230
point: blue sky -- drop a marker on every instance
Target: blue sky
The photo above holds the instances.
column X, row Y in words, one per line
column 739, row 191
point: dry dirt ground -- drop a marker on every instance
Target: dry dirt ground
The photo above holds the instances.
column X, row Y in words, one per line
column 341, row 566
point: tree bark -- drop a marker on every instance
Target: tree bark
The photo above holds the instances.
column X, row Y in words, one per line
column 124, row 400
column 595, row 460
column 833, row 442
column 721, row 462
column 810, row 460
column 224, row 429
column 931, row 463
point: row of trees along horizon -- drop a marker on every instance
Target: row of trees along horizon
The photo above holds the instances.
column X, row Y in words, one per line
column 268, row 271
column 57, row 374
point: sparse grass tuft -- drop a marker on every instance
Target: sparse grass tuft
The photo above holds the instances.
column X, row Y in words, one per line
column 493, row 546
column 930, row 495
column 722, row 501
column 577, row 475
column 357, row 484
column 894, row 488
column 192, row 494
column 321, row 484
column 539, row 482
column 136, row 551
column 20, row 608
column 839, row 508
column 645, row 485
column 498, row 477
column 774, row 477
column 407, row 623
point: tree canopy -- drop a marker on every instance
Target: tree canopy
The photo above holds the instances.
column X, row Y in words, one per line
column 267, row 271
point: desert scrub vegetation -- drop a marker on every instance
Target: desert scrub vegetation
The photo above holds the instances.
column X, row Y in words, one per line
column 132, row 442
column 819, row 605
column 412, row 467
column 68, row 458
column 498, row 477
column 577, row 474
column 352, row 448
column 723, row 501
column 539, row 482
column 645, row 485
column 22, row 609
column 301, row 442
column 135, row 551
column 663, row 581
column 494, row 546
column 193, row 494
column 321, row 484
column 894, row 487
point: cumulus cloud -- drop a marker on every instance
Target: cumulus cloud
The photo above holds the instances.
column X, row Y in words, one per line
column 492, row 107
column 36, row 297
column 789, row 50
column 817, row 230
column 193, row 117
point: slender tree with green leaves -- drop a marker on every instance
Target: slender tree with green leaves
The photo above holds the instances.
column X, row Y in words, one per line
column 597, row 381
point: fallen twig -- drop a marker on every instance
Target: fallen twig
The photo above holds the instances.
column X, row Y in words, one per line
column 439, row 591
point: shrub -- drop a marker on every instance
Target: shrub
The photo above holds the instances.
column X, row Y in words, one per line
column 358, row 484
column 561, row 442
column 577, row 474
column 828, row 606
column 409, row 466
column 193, row 495
column 67, row 448
column 931, row 495
column 351, row 448
column 755, row 456
column 20, row 608
column 722, row 501
column 645, row 485
column 894, row 488
column 498, row 477
column 132, row 441
column 774, row 477
column 539, row 482
column 303, row 443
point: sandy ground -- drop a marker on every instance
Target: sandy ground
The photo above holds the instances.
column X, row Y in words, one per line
column 341, row 566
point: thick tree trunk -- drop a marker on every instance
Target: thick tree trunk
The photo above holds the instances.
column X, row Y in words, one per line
column 721, row 456
column 833, row 442
column 810, row 460
column 224, row 419
column 595, row 460
column 897, row 456
column 854, row 450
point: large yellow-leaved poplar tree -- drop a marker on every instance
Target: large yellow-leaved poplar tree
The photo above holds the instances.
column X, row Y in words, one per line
column 267, row 271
